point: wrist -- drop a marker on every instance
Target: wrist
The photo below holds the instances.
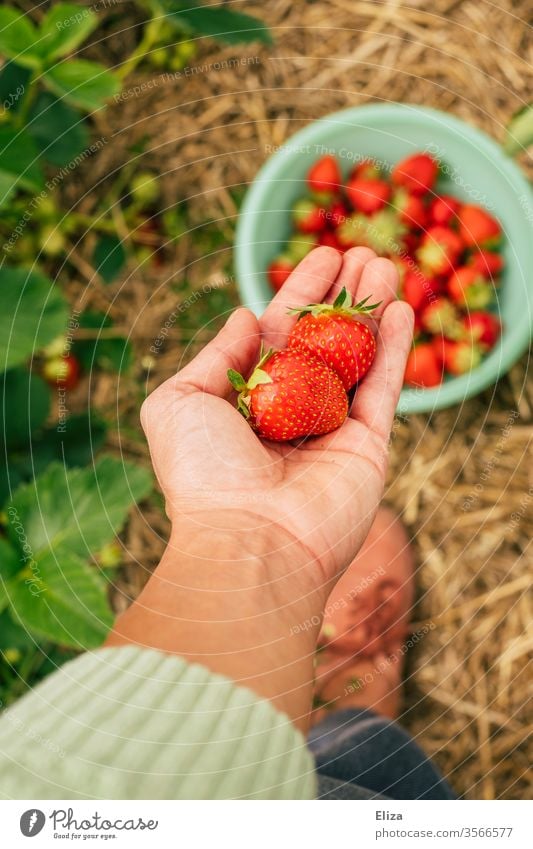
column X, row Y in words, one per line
column 235, row 598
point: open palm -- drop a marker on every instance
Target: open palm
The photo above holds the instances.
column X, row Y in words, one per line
column 323, row 492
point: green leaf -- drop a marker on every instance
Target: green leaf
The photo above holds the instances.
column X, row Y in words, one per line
column 82, row 509
column 18, row 38
column 109, row 257
column 75, row 445
column 64, row 28
column 10, row 564
column 33, row 312
column 14, row 80
column 7, row 188
column 61, row 598
column 57, row 129
column 13, row 636
column 19, row 159
column 84, row 84
column 217, row 22
column 25, row 406
column 110, row 354
column 519, row 131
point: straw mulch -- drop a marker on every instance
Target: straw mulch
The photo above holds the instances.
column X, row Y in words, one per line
column 460, row 479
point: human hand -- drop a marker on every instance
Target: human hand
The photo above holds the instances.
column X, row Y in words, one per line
column 318, row 497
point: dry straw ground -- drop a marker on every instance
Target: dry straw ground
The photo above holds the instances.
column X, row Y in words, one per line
column 462, row 479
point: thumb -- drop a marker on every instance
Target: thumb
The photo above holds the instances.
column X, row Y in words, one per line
column 236, row 346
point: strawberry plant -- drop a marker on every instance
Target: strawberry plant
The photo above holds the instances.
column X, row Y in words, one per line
column 60, row 508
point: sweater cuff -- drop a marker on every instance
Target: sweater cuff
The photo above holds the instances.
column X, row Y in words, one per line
column 131, row 723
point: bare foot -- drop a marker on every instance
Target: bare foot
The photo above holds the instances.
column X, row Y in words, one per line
column 360, row 656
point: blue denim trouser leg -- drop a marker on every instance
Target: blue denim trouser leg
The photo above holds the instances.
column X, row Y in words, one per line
column 360, row 755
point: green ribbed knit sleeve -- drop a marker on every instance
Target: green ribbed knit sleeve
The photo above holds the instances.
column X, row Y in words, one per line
column 130, row 723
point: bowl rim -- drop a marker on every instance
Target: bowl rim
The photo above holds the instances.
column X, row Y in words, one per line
column 412, row 400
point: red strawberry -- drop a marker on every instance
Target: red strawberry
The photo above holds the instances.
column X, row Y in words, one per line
column 329, row 239
column 482, row 327
column 439, row 251
column 289, row 395
column 62, row 371
column 468, row 288
column 411, row 241
column 367, row 169
column 333, row 333
column 443, row 210
column 478, row 228
column 460, row 357
column 411, row 209
column 423, row 367
column 441, row 317
column 368, row 196
column 308, row 216
column 324, row 175
column 416, row 173
column 278, row 271
column 337, row 214
column 487, row 263
column 419, row 290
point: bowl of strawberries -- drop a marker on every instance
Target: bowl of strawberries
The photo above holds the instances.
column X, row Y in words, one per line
column 436, row 196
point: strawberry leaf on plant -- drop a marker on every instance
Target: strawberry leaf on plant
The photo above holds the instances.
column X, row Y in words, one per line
column 25, row 406
column 19, row 160
column 13, row 82
column 110, row 354
column 83, row 436
column 109, row 257
column 12, row 635
column 33, row 312
column 84, row 84
column 19, row 38
column 10, row 564
column 65, row 27
column 82, row 509
column 64, row 601
column 216, row 21
column 58, row 130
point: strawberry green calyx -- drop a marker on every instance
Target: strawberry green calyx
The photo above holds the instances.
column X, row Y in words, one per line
column 343, row 304
column 244, row 387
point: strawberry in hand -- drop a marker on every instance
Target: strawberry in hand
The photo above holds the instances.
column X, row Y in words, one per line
column 290, row 395
column 334, row 334
column 212, row 465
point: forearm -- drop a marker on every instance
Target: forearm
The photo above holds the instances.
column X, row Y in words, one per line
column 225, row 598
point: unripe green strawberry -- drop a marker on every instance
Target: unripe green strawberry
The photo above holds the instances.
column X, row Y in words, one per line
column 333, row 333
column 291, row 395
column 442, row 317
column 144, row 188
column 51, row 240
column 300, row 245
column 159, row 58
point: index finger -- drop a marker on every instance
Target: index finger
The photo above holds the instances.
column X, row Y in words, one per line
column 309, row 283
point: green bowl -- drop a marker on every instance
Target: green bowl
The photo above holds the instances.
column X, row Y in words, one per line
column 476, row 170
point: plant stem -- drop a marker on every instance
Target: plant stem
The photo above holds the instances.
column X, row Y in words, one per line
column 150, row 37
column 21, row 117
